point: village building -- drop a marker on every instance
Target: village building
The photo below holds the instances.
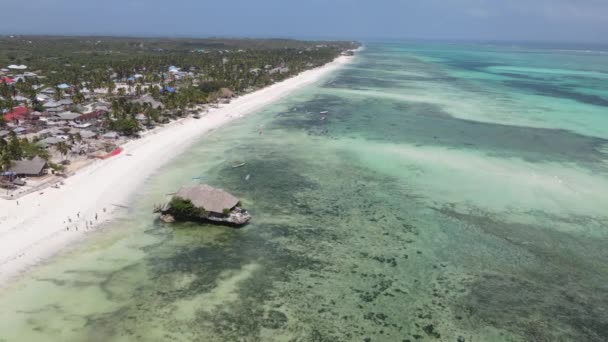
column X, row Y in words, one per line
column 29, row 168
column 46, row 142
column 213, row 200
column 92, row 116
column 110, row 135
column 7, row 80
column 48, row 91
column 52, row 104
column 85, row 134
column 42, row 97
column 279, row 70
column 16, row 114
column 20, row 130
column 21, row 98
column 49, row 132
column 149, row 100
column 68, row 116
column 210, row 205
column 17, row 67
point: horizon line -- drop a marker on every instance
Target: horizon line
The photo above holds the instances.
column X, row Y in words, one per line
column 299, row 38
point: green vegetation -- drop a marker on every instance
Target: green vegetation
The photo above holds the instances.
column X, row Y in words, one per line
column 13, row 148
column 56, row 167
column 240, row 65
column 181, row 208
column 63, row 148
column 95, row 61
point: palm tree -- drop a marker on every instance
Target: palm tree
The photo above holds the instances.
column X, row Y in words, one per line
column 57, row 95
column 78, row 98
column 13, row 148
column 111, row 86
column 63, row 148
column 5, row 161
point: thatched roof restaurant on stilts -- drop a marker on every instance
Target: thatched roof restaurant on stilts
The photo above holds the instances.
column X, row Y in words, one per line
column 206, row 204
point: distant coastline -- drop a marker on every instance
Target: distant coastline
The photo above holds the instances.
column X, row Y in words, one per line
column 39, row 224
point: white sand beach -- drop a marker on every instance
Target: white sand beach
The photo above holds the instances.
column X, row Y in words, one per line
column 38, row 225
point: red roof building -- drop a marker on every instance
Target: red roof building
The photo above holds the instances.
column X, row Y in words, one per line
column 94, row 115
column 18, row 113
column 6, row 79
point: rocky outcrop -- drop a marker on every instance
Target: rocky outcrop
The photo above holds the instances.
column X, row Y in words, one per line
column 238, row 217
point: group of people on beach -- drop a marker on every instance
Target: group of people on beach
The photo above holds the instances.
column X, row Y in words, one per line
column 89, row 224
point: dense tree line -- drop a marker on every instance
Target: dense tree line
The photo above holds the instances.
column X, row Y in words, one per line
column 14, row 148
column 95, row 62
column 100, row 62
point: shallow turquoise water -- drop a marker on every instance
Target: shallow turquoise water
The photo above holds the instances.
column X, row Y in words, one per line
column 450, row 191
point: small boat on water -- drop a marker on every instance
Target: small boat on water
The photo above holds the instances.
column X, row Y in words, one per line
column 324, row 112
column 238, row 165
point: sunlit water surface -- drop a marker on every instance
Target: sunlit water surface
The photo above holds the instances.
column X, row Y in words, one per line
column 451, row 193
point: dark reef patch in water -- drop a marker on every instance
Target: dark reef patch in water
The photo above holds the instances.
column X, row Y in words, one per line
column 472, row 65
column 520, row 76
column 558, row 295
column 362, row 82
column 561, row 92
column 329, row 210
column 274, row 181
column 426, row 124
column 537, row 311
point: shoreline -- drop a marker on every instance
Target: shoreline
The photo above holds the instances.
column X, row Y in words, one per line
column 37, row 225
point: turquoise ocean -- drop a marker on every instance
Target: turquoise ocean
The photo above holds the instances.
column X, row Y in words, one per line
column 452, row 192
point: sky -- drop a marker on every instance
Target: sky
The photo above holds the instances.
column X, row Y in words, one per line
column 529, row 20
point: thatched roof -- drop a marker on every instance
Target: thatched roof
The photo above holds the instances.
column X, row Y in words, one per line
column 150, row 100
column 211, row 199
column 32, row 167
column 68, row 116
